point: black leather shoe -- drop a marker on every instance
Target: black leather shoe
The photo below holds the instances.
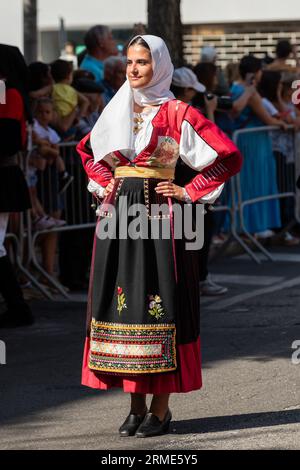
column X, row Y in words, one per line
column 152, row 426
column 131, row 424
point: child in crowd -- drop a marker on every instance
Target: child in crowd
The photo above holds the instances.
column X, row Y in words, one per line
column 38, row 161
column 47, row 153
column 69, row 104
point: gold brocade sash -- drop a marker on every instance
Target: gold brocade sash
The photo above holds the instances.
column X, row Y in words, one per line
column 142, row 172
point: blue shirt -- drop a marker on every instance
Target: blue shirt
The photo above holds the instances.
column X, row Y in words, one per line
column 108, row 93
column 247, row 117
column 95, row 66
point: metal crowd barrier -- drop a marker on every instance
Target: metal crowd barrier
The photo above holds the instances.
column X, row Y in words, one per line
column 75, row 205
column 230, row 207
column 286, row 183
column 20, row 236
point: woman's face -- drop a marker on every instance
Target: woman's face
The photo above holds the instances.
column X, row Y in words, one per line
column 189, row 94
column 139, row 66
column 108, row 44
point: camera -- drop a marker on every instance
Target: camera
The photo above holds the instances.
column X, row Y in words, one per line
column 224, row 103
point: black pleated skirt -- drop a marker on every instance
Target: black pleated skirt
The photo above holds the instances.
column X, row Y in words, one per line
column 143, row 310
column 14, row 194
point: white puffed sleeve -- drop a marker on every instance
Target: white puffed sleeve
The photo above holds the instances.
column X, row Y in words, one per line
column 96, row 188
column 198, row 154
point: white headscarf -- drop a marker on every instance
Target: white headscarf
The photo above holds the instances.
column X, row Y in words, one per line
column 114, row 128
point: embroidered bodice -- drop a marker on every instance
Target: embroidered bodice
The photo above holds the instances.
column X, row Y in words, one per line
column 143, row 136
column 162, row 139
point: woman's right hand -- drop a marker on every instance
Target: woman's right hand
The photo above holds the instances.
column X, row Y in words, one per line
column 109, row 187
column 283, row 125
column 211, row 105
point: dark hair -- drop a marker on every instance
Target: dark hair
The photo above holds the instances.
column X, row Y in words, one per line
column 177, row 90
column 267, row 59
column 268, row 84
column 85, row 85
column 38, row 73
column 91, row 38
column 283, row 49
column 61, row 69
column 139, row 41
column 13, row 67
column 81, row 73
column 206, row 72
column 249, row 64
column 44, row 100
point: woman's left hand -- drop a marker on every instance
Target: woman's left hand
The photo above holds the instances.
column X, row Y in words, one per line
column 169, row 189
column 108, row 189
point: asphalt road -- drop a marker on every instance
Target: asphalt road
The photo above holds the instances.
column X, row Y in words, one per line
column 251, row 389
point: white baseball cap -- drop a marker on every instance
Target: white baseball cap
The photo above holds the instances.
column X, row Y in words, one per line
column 184, row 77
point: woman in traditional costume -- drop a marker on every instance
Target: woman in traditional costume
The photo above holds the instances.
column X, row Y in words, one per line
column 143, row 331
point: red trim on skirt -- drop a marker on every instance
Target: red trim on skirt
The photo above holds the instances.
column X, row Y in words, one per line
column 185, row 379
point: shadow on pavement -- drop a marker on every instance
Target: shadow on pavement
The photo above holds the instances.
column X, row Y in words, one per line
column 235, row 422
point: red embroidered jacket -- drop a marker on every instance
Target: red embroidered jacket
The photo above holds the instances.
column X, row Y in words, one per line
column 216, row 157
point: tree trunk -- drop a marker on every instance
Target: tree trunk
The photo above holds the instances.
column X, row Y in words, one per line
column 164, row 20
column 30, row 30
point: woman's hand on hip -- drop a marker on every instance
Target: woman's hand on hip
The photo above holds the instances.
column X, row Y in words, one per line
column 169, row 189
column 109, row 187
